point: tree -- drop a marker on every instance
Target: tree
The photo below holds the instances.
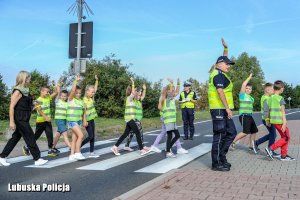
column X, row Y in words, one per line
column 4, row 99
column 37, row 80
column 244, row 65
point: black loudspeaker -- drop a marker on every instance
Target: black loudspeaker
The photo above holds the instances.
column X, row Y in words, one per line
column 86, row 40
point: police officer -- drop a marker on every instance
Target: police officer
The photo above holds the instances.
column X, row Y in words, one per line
column 220, row 104
column 188, row 99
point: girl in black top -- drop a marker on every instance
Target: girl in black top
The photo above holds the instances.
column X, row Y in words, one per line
column 19, row 115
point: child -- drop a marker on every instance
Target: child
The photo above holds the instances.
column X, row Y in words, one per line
column 43, row 120
column 91, row 114
column 268, row 88
column 139, row 97
column 19, row 116
column 163, row 132
column 130, row 118
column 246, row 111
column 168, row 107
column 278, row 120
column 75, row 117
column 61, row 106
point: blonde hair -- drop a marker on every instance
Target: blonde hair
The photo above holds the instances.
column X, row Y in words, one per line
column 88, row 87
column 22, row 77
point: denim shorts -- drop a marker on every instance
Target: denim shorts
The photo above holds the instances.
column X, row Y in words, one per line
column 73, row 124
column 61, row 125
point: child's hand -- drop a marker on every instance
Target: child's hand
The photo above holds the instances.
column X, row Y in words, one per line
column 268, row 123
column 78, row 77
column 53, row 82
column 48, row 119
column 178, row 81
column 85, row 124
column 283, row 128
column 131, row 79
column 224, row 43
column 144, row 86
column 250, row 76
column 96, row 77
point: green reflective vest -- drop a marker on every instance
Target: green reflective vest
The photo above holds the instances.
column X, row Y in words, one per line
column 61, row 109
column 130, row 110
column 90, row 109
column 188, row 104
column 246, row 104
column 214, row 100
column 169, row 112
column 275, row 109
column 262, row 100
column 75, row 110
column 45, row 107
column 139, row 110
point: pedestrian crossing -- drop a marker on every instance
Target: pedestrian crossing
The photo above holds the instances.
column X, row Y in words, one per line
column 162, row 166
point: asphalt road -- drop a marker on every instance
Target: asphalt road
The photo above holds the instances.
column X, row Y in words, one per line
column 99, row 184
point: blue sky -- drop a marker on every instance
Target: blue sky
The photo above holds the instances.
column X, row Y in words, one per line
column 168, row 38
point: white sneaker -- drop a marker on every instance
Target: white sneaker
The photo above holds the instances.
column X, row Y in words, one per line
column 182, row 151
column 128, row 149
column 114, row 149
column 93, row 155
column 3, row 162
column 170, row 155
column 40, row 161
column 72, row 157
column 79, row 156
column 155, row 149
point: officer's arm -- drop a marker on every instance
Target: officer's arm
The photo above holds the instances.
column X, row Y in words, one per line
column 243, row 88
column 222, row 97
column 225, row 52
column 194, row 100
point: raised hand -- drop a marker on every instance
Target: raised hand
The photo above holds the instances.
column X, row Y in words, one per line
column 224, row 43
column 144, row 86
column 96, row 77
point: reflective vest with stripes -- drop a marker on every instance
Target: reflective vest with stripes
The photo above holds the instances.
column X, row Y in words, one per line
column 130, row 110
column 188, row 104
column 275, row 109
column 246, row 104
column 262, row 100
column 169, row 112
column 139, row 110
column 45, row 107
column 90, row 109
column 214, row 100
column 75, row 110
column 61, row 109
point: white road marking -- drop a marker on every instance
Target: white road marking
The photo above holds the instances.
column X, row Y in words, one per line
column 168, row 164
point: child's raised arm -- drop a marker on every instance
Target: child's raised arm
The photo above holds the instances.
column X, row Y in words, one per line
column 73, row 90
column 243, row 88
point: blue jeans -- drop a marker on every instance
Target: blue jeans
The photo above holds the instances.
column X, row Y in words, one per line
column 271, row 136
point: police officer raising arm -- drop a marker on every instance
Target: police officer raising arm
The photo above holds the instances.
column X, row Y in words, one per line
column 220, row 103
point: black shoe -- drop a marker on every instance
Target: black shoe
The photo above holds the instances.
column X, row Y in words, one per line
column 185, row 138
column 226, row 164
column 220, row 168
column 26, row 151
column 56, row 150
column 52, row 153
column 191, row 138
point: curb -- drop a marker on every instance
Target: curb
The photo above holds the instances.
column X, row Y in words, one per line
column 146, row 187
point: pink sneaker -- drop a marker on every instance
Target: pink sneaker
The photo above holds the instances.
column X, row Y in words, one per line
column 114, row 149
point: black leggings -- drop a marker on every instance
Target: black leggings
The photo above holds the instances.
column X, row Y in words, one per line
column 24, row 130
column 131, row 134
column 170, row 141
column 91, row 132
column 131, row 125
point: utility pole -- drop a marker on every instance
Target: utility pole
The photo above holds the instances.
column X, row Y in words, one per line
column 79, row 14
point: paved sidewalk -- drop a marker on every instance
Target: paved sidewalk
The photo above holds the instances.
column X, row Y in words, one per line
column 251, row 177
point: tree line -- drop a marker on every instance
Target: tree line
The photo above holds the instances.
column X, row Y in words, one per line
column 114, row 77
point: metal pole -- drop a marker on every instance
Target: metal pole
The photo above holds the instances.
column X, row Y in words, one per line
column 80, row 8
